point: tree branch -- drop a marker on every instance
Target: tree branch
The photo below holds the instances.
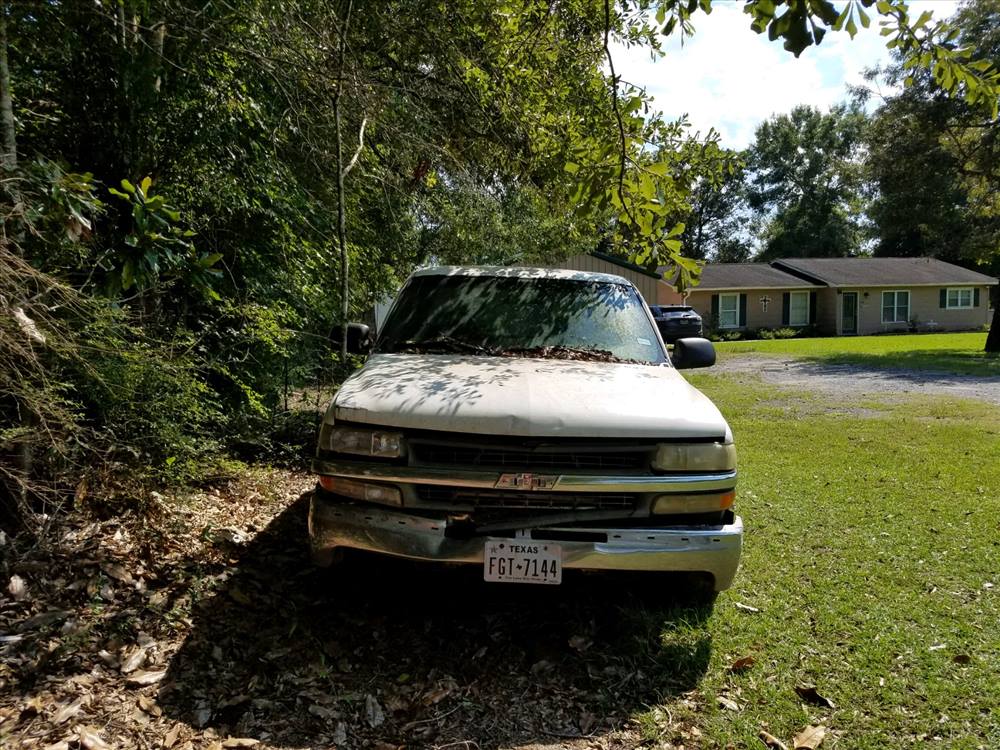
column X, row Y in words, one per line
column 622, row 143
column 345, row 298
column 361, row 145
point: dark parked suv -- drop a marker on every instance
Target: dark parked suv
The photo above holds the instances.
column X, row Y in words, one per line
column 676, row 321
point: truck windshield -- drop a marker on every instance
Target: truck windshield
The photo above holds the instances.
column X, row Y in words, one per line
column 521, row 316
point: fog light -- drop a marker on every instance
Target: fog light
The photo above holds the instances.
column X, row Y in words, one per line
column 694, row 503
column 385, row 494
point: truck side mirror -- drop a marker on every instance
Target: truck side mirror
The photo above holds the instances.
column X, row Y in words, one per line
column 693, row 352
column 358, row 338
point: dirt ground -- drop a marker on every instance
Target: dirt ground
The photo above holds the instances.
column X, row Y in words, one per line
column 206, row 627
column 857, row 381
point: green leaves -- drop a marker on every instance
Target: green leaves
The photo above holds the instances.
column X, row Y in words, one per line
column 158, row 250
column 804, row 181
column 934, row 161
column 641, row 210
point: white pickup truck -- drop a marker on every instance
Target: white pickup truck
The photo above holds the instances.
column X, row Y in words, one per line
column 527, row 420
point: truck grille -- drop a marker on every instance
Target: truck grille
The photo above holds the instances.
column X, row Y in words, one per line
column 527, row 458
column 502, row 499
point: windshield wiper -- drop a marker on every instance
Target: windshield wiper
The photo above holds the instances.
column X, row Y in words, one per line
column 442, row 344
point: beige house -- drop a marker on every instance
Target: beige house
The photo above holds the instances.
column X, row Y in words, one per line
column 844, row 296
column 748, row 296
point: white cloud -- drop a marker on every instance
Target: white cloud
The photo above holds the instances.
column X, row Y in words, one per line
column 728, row 77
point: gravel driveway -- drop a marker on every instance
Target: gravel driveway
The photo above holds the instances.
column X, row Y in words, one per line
column 860, row 381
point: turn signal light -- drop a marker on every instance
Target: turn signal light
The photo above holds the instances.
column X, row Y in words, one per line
column 384, row 494
column 694, row 503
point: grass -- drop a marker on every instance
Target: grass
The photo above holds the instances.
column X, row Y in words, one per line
column 871, row 544
column 945, row 352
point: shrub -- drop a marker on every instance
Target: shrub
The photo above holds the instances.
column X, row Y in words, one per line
column 93, row 399
column 787, row 333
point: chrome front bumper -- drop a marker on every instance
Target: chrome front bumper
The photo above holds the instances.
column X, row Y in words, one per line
column 714, row 550
column 562, row 482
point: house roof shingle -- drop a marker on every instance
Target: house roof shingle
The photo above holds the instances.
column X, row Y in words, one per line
column 749, row 276
column 883, row 271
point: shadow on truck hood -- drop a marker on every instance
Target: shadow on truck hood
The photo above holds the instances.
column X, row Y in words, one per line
column 527, row 397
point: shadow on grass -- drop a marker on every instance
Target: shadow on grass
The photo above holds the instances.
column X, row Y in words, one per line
column 408, row 653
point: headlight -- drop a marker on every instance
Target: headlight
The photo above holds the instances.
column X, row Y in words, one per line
column 377, row 443
column 695, row 457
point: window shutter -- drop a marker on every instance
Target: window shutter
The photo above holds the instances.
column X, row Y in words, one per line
column 786, row 304
column 943, row 298
column 812, row 307
column 715, row 309
column 743, row 310
column 975, row 297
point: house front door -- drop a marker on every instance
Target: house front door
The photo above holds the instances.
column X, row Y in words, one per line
column 849, row 312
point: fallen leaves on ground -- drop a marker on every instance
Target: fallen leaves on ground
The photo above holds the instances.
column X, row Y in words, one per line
column 810, row 694
column 809, row 738
column 373, row 712
column 728, row 703
column 68, row 711
column 17, row 588
column 90, row 738
column 143, row 678
column 207, row 628
column 742, row 664
column 771, row 742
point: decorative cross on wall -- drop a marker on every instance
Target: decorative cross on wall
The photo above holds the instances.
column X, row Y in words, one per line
column 764, row 302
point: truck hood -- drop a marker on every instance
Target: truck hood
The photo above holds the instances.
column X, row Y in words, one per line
column 526, row 397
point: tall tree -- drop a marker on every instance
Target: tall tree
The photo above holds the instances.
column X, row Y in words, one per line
column 804, row 171
column 934, row 161
column 717, row 227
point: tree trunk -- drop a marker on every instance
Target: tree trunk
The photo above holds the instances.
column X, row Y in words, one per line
column 345, row 297
column 993, row 339
column 9, row 158
column 8, row 163
column 159, row 38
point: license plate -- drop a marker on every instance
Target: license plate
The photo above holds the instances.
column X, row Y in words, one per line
column 513, row 561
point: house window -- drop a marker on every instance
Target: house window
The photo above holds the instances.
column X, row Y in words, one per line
column 895, row 307
column 798, row 309
column 729, row 311
column 959, row 298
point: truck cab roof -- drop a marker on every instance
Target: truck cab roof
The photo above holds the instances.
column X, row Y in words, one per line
column 522, row 272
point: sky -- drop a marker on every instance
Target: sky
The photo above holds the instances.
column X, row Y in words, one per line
column 728, row 77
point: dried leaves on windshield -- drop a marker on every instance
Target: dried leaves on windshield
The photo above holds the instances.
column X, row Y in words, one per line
column 566, row 352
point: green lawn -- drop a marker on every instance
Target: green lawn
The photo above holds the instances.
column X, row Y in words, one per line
column 873, row 554
column 945, row 352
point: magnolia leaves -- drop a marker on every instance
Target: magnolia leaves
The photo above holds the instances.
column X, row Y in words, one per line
column 157, row 248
